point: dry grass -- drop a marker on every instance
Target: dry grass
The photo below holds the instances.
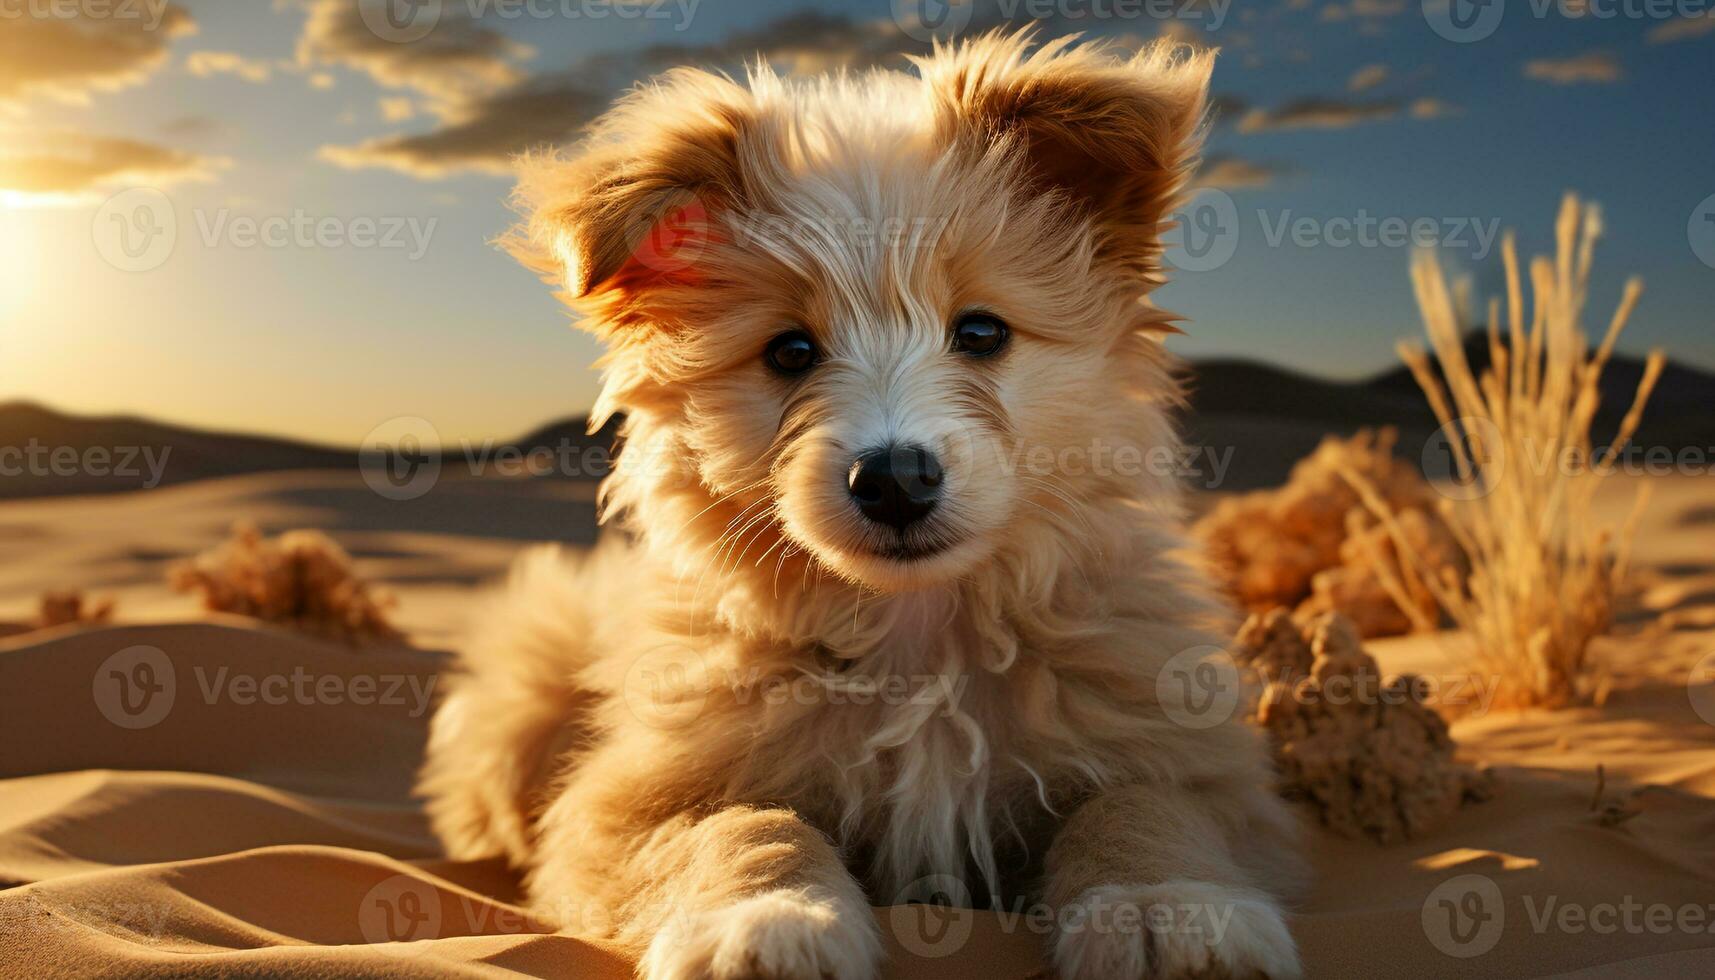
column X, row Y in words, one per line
column 1543, row 572
column 302, row 579
column 1312, row 547
column 70, row 606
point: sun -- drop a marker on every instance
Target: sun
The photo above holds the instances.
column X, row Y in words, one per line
column 19, row 271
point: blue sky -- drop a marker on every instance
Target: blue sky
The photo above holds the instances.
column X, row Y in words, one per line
column 281, row 114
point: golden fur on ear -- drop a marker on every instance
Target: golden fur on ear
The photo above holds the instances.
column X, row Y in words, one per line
column 1119, row 136
column 631, row 201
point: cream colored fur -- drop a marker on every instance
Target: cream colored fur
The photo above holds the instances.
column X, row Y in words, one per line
column 676, row 736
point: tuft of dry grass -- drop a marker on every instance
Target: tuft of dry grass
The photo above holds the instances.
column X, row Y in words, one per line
column 302, row 579
column 70, row 606
column 1543, row 573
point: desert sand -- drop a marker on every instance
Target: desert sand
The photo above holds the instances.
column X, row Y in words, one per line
column 261, row 823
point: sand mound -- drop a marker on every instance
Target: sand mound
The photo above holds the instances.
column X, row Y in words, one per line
column 302, row 579
column 1368, row 755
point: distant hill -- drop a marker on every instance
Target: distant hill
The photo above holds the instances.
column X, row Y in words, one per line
column 1257, row 420
column 44, row 452
column 47, row 453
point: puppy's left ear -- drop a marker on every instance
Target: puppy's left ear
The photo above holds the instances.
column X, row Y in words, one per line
column 1118, row 136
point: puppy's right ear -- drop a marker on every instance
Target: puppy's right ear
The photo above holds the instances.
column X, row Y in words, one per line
column 630, row 208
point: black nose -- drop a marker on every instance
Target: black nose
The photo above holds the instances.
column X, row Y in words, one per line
column 895, row 486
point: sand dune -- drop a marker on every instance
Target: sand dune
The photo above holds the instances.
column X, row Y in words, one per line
column 239, row 835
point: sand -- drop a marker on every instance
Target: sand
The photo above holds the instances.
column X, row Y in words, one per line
column 261, row 822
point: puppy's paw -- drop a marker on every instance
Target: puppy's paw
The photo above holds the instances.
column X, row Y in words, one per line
column 781, row 935
column 1177, row 929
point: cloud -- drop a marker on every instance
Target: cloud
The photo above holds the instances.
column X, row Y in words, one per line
column 483, row 135
column 397, row 108
column 67, row 167
column 206, row 64
column 483, row 132
column 70, row 57
column 1317, row 114
column 1231, row 173
column 1363, row 10
column 1367, row 77
column 1594, row 66
column 1428, row 108
column 1683, row 28
column 459, row 58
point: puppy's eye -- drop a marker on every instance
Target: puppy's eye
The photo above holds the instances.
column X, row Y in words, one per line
column 979, row 334
column 792, row 353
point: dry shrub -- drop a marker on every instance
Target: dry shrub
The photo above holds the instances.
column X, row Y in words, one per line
column 302, row 579
column 1543, row 573
column 1311, row 546
column 67, row 607
column 1367, row 754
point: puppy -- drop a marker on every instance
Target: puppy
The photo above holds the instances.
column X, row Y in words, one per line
column 901, row 602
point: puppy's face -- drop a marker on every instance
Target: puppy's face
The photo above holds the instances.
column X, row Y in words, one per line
column 888, row 324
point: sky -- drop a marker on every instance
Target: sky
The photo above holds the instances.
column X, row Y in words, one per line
column 277, row 215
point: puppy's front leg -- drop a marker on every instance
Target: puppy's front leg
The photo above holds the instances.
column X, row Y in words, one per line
column 1147, row 886
column 742, row 892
